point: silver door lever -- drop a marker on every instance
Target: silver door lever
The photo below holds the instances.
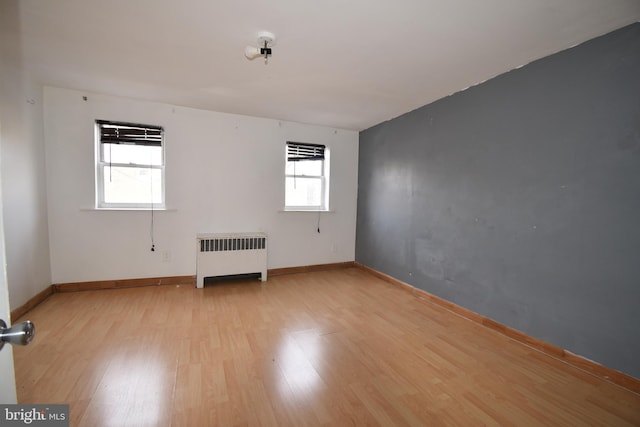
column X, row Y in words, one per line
column 20, row 334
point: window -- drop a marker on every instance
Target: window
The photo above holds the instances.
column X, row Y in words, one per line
column 306, row 177
column 129, row 165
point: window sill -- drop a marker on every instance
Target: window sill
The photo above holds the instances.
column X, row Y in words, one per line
column 130, row 209
column 307, row 210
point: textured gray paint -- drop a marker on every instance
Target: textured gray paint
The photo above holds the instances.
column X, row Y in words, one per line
column 520, row 199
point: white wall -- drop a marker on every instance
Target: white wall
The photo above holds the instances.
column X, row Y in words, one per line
column 23, row 176
column 224, row 173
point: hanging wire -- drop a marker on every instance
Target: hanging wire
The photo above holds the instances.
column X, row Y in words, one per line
column 110, row 161
column 294, row 175
column 152, row 231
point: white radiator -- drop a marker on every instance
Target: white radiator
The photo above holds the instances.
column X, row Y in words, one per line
column 231, row 253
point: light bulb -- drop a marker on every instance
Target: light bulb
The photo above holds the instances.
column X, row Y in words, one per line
column 251, row 52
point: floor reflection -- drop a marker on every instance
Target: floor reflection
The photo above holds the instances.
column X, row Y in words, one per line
column 131, row 393
column 300, row 376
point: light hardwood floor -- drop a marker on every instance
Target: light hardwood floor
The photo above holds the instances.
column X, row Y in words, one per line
column 331, row 348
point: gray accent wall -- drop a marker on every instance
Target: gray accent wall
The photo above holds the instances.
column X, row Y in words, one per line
column 519, row 199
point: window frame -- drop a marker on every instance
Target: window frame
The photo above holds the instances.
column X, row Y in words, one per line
column 101, row 164
column 323, row 178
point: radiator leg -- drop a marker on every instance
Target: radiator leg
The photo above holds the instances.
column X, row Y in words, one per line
column 263, row 275
column 199, row 282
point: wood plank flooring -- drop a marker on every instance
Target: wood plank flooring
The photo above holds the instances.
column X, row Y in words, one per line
column 334, row 348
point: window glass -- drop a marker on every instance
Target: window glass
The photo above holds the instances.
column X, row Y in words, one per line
column 127, row 185
column 303, row 192
column 137, row 154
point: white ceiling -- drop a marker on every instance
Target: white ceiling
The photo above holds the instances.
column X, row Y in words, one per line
column 344, row 64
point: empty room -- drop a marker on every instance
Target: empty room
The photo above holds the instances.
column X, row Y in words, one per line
column 297, row 213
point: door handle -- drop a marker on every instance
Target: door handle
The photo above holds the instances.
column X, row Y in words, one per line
column 20, row 334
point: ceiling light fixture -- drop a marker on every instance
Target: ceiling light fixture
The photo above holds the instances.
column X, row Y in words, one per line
column 265, row 41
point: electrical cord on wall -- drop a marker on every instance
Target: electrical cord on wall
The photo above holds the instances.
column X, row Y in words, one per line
column 153, row 245
column 318, row 221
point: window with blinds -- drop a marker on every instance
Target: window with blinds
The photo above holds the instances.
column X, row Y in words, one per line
column 129, row 165
column 306, row 177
